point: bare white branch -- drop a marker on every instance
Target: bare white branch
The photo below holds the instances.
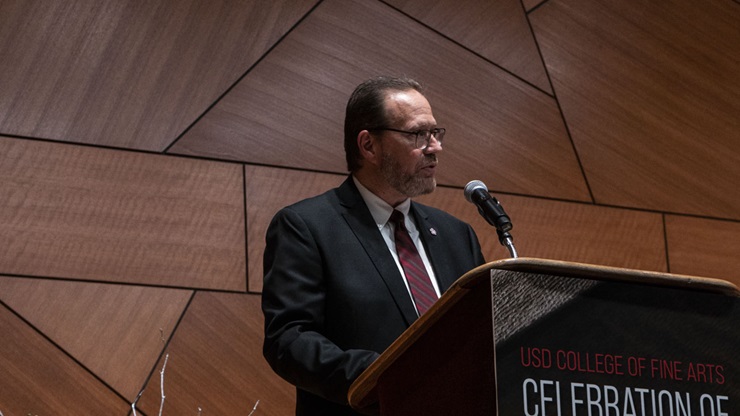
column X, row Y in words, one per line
column 161, row 383
column 254, row 408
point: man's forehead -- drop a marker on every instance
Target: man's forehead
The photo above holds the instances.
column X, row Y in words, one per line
column 402, row 96
column 406, row 104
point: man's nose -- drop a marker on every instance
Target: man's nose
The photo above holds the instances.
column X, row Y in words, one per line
column 434, row 146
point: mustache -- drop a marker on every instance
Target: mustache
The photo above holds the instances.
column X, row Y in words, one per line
column 430, row 159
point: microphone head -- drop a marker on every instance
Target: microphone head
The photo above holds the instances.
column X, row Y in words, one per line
column 471, row 187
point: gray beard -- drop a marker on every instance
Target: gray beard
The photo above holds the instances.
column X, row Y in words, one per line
column 409, row 185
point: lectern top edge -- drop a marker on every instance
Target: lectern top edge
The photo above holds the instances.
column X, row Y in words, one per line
column 582, row 270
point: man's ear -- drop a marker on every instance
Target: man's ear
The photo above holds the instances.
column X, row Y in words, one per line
column 369, row 147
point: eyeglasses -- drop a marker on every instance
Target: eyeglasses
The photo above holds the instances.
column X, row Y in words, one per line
column 421, row 137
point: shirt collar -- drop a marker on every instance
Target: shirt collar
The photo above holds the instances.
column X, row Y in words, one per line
column 379, row 209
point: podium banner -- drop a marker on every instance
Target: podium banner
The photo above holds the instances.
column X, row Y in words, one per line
column 575, row 346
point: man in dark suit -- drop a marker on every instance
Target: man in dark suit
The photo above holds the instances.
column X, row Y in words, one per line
column 336, row 290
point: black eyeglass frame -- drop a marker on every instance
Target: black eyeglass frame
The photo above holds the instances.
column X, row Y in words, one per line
column 438, row 133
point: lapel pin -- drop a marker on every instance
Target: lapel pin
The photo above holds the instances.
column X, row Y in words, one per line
column 433, row 231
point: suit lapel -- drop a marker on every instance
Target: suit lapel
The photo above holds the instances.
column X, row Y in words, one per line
column 361, row 222
column 435, row 246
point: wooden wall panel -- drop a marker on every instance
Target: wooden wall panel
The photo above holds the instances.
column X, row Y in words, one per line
column 290, row 109
column 565, row 231
column 531, row 4
column 93, row 214
column 127, row 73
column 269, row 190
column 115, row 331
column 215, row 363
column 39, row 379
column 704, row 247
column 650, row 94
column 497, row 30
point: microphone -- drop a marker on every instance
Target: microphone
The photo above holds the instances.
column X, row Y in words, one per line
column 476, row 192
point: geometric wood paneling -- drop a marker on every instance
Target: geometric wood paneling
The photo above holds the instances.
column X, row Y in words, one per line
column 640, row 126
column 127, row 73
column 39, row 379
column 496, row 29
column 651, row 95
column 115, row 331
column 703, row 247
column 289, row 110
column 269, row 190
column 93, row 214
column 531, row 4
column 215, row 363
column 565, row 231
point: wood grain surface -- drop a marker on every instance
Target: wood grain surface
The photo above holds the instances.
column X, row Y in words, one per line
column 125, row 73
column 95, row 214
column 115, row 331
column 704, row 247
column 39, row 379
column 215, row 363
column 651, row 99
column 496, row 29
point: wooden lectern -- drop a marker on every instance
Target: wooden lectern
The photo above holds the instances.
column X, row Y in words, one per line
column 531, row 336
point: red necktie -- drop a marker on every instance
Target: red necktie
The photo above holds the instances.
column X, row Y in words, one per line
column 416, row 274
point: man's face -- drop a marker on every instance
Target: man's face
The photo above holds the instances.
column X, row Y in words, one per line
column 405, row 168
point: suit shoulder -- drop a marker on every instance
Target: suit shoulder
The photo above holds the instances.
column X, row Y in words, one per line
column 318, row 207
column 436, row 214
column 326, row 202
column 313, row 201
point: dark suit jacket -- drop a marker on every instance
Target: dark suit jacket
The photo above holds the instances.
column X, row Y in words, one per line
column 333, row 298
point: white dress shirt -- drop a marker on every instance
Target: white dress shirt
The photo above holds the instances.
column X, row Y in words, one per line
column 381, row 212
